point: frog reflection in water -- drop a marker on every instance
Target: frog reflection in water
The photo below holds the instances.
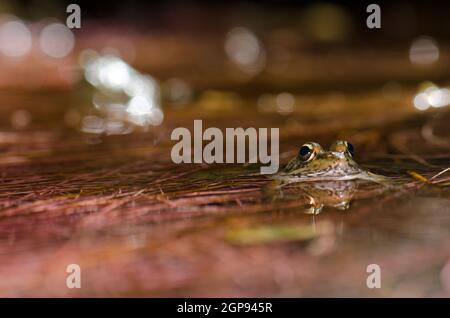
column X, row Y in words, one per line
column 326, row 178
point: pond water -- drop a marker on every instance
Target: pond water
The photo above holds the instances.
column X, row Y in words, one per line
column 86, row 174
column 138, row 224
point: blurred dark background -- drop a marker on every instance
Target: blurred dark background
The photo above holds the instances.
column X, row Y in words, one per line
column 399, row 18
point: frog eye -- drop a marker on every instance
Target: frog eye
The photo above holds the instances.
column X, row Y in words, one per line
column 350, row 148
column 343, row 147
column 307, row 152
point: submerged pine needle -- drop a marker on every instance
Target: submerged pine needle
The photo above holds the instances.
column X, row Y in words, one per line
column 423, row 179
column 418, row 176
column 440, row 173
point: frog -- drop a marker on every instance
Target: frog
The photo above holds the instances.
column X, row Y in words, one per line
column 313, row 163
column 322, row 177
